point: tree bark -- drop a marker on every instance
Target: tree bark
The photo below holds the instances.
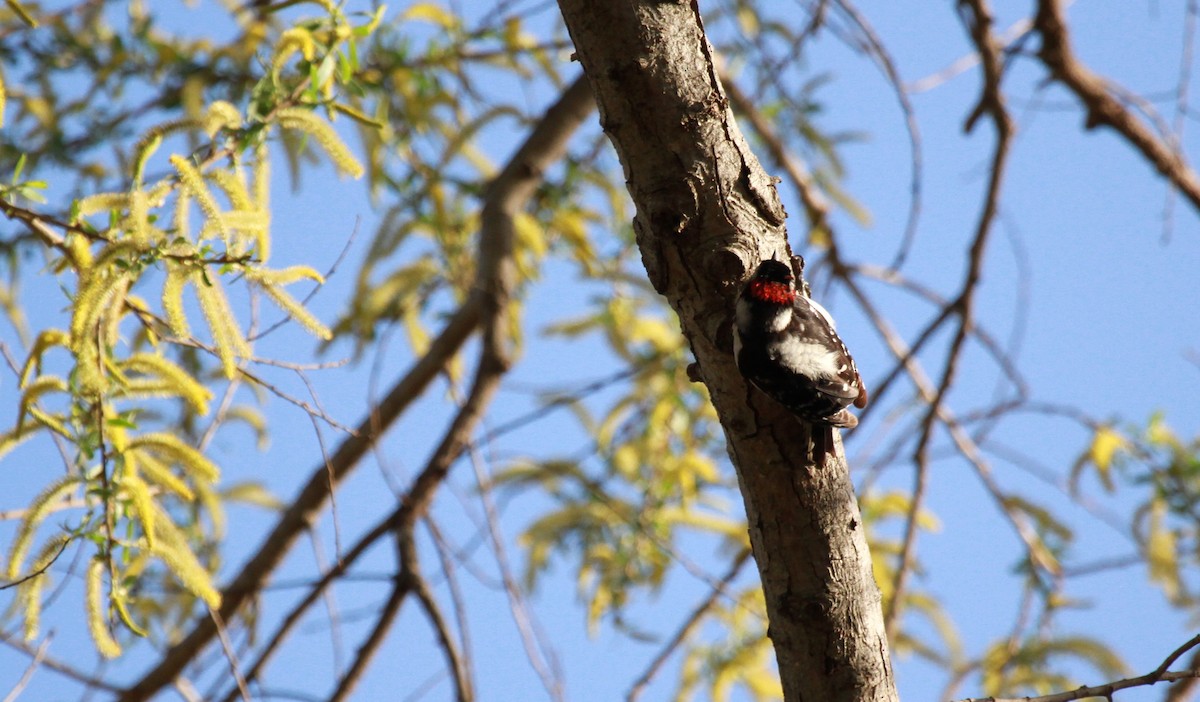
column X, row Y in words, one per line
column 707, row 213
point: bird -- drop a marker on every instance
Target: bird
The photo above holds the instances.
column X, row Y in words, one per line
column 786, row 344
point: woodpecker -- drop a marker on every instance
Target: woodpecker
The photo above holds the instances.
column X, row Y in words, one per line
column 786, row 345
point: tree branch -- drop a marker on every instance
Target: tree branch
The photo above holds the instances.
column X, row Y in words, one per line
column 977, row 17
column 1106, row 690
column 485, row 307
column 1096, row 94
column 685, row 629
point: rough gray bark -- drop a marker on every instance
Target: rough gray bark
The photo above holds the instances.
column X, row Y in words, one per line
column 706, row 214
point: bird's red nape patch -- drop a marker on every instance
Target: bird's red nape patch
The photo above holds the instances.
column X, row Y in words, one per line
column 771, row 292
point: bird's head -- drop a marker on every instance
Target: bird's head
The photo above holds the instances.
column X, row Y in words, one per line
column 773, row 283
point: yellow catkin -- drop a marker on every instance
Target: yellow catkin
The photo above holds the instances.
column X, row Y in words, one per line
column 101, row 202
column 53, row 422
column 33, row 391
column 158, row 473
column 212, row 304
column 97, row 286
column 78, row 252
column 182, row 219
column 291, row 41
column 12, row 439
column 92, row 383
column 179, row 381
column 152, row 139
column 227, row 334
column 291, row 274
column 30, row 591
column 157, row 194
column 116, row 313
column 29, row 598
column 248, row 223
column 97, row 610
column 303, row 120
column 270, row 281
column 172, row 449
column 261, row 183
column 233, row 185
column 46, row 340
column 172, row 299
column 116, row 434
column 98, row 306
column 143, row 504
column 296, row 311
column 172, row 549
column 221, row 115
column 193, row 183
column 261, row 175
column 37, row 511
column 3, row 99
column 143, row 150
column 246, row 219
column 139, row 215
column 91, row 301
column 145, row 389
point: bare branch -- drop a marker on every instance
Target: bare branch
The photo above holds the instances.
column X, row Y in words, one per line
column 383, row 623
column 38, row 573
column 230, row 656
column 540, row 656
column 874, row 47
column 1184, row 689
column 58, row 666
column 485, row 307
column 30, row 669
column 977, row 17
column 315, row 591
column 1106, row 690
column 454, row 659
column 685, row 629
column 1096, row 94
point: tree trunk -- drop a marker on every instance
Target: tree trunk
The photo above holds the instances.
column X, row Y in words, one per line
column 707, row 213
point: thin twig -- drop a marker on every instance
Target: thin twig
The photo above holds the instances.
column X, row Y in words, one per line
column 1182, row 87
column 463, row 687
column 485, row 308
column 293, row 617
column 30, row 669
column 333, row 505
column 332, row 612
column 537, row 652
column 686, row 628
column 366, row 651
column 874, row 47
column 977, row 17
column 39, row 571
column 1106, row 690
column 456, row 596
column 60, row 667
column 1102, row 107
column 230, row 656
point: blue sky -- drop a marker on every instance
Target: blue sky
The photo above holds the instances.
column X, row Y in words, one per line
column 1108, row 326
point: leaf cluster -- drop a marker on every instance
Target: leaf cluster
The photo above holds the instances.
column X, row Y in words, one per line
column 137, row 494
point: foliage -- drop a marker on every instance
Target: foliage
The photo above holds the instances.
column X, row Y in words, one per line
column 137, row 494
